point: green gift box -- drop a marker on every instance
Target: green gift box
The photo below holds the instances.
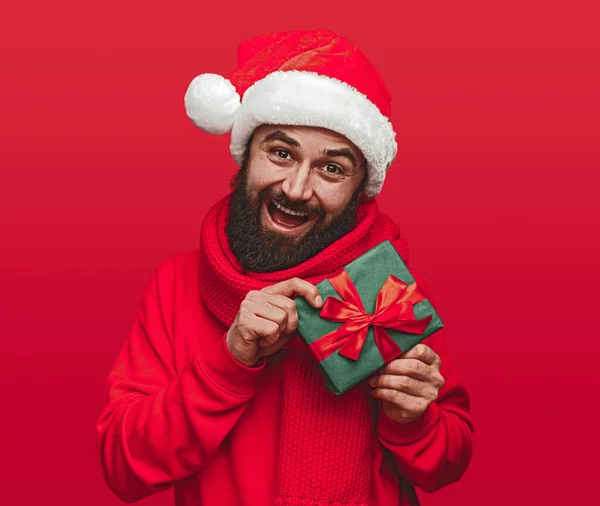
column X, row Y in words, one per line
column 373, row 311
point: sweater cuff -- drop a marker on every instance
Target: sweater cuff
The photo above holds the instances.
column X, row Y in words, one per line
column 395, row 432
column 223, row 370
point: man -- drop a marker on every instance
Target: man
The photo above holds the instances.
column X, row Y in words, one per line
column 214, row 393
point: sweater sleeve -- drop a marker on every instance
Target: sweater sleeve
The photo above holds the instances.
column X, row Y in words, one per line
column 160, row 424
column 434, row 450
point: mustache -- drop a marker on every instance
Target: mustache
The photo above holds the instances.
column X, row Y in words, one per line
column 283, row 200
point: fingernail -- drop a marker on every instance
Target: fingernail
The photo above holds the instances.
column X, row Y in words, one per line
column 319, row 300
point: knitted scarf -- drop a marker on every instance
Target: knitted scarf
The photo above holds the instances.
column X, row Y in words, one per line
column 225, row 284
column 325, row 444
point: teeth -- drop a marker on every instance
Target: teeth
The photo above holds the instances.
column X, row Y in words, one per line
column 289, row 211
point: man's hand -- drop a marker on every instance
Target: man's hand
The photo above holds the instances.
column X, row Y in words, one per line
column 267, row 319
column 408, row 385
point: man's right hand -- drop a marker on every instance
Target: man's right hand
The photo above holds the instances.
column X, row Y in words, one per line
column 267, row 319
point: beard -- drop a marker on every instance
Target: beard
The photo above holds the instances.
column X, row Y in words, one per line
column 265, row 250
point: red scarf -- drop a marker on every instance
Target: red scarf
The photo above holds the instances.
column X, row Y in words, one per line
column 324, row 452
column 225, row 284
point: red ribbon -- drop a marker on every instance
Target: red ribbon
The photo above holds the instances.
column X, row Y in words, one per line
column 393, row 310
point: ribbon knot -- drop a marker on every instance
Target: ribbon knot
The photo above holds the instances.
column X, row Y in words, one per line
column 393, row 310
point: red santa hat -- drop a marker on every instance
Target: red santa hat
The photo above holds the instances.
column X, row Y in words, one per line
column 308, row 78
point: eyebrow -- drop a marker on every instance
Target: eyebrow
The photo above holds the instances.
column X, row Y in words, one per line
column 345, row 152
column 279, row 135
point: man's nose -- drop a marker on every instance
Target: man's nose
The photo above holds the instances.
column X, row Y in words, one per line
column 297, row 185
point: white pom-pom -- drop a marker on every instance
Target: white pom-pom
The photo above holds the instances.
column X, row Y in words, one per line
column 212, row 103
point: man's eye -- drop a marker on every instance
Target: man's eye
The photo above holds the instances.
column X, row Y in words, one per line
column 281, row 153
column 333, row 170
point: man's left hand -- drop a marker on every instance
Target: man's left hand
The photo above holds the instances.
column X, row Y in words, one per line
column 408, row 385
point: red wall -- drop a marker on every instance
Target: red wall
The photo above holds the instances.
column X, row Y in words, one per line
column 495, row 187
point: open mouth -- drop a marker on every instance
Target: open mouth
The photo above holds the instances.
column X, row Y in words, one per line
column 287, row 220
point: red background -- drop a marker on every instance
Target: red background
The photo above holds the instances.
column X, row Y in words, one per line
column 495, row 187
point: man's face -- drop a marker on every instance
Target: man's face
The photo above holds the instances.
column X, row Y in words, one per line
column 296, row 193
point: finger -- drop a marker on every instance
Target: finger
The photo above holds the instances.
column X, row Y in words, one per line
column 255, row 328
column 405, row 384
column 285, row 304
column 409, row 404
column 375, row 375
column 408, row 367
column 297, row 286
column 422, row 352
column 267, row 311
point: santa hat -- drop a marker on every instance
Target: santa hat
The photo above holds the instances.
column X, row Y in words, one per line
column 309, row 78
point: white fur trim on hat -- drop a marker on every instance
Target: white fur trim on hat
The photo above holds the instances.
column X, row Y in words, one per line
column 305, row 98
column 212, row 103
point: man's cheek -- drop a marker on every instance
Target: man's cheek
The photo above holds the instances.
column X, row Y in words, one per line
column 331, row 214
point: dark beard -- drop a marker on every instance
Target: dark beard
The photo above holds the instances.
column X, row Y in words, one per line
column 262, row 250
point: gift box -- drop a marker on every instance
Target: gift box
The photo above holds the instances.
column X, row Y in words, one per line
column 373, row 311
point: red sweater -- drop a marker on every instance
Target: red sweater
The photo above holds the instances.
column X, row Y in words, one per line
column 183, row 413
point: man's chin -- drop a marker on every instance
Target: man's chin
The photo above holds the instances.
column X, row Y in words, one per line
column 261, row 246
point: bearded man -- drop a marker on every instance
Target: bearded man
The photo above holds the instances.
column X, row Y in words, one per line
column 214, row 393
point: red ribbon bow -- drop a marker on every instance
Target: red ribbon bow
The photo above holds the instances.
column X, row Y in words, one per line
column 393, row 310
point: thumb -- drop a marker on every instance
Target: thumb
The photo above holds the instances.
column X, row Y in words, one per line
column 297, row 286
